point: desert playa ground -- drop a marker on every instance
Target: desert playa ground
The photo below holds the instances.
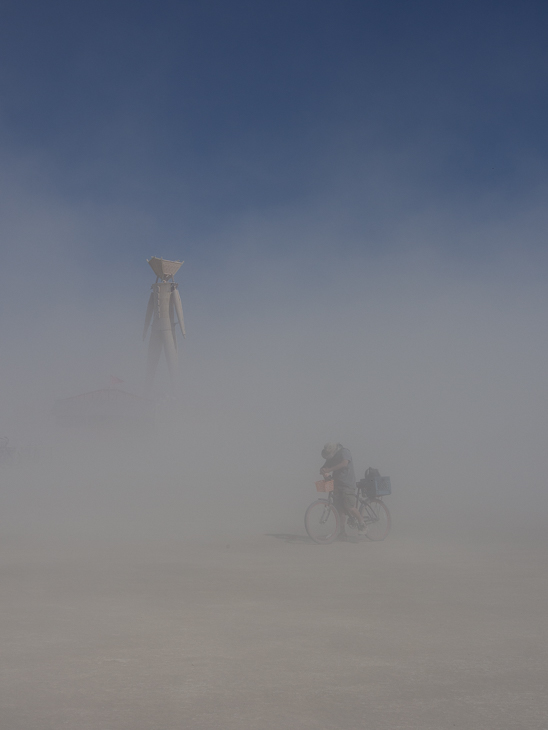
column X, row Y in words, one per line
column 273, row 631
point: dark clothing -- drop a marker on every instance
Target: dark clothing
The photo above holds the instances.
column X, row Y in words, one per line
column 345, row 479
column 343, row 501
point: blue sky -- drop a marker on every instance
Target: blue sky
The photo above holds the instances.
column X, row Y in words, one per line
column 198, row 114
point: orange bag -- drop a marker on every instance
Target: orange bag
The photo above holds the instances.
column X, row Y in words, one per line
column 325, row 486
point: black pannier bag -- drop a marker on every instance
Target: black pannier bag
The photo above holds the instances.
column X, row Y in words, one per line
column 374, row 485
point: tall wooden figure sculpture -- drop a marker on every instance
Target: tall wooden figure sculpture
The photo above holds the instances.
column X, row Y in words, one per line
column 164, row 303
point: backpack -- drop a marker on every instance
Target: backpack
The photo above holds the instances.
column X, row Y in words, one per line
column 374, row 485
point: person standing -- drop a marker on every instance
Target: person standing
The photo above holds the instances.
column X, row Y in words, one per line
column 338, row 462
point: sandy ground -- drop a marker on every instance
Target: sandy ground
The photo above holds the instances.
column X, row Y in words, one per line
column 273, row 632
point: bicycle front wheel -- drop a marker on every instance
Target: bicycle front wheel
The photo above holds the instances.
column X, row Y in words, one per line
column 322, row 522
column 377, row 520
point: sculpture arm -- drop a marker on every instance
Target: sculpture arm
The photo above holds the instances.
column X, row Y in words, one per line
column 148, row 316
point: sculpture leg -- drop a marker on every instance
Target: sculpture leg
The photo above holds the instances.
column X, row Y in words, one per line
column 154, row 352
column 171, row 354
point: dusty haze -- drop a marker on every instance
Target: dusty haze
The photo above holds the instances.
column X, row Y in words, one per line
column 164, row 579
column 431, row 371
column 358, row 191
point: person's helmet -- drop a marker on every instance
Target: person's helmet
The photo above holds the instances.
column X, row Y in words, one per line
column 329, row 450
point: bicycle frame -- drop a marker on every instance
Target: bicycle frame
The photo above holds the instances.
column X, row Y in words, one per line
column 363, row 505
column 328, row 501
column 373, row 521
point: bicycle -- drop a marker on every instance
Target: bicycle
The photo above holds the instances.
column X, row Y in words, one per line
column 323, row 522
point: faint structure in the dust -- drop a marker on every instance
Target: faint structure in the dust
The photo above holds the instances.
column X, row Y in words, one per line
column 164, row 303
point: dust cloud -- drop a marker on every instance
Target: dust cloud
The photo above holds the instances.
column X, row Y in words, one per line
column 428, row 370
column 162, row 577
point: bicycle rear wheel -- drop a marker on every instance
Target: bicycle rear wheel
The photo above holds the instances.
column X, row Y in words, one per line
column 377, row 519
column 322, row 521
